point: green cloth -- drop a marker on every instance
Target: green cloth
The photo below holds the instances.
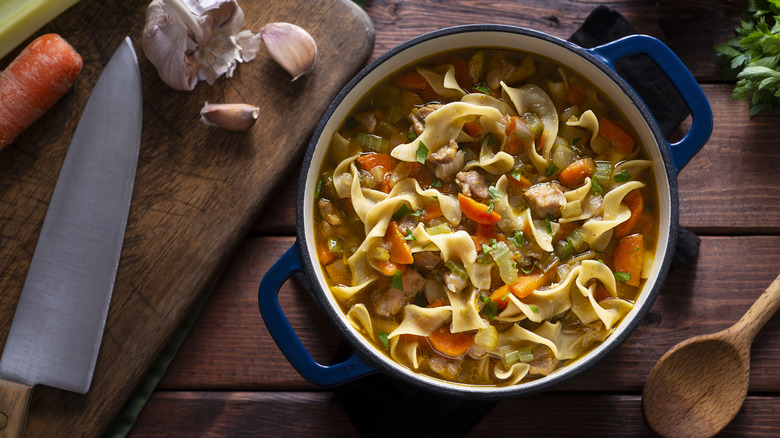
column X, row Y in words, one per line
column 127, row 417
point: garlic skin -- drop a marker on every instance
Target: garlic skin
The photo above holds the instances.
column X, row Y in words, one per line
column 291, row 47
column 196, row 40
column 231, row 116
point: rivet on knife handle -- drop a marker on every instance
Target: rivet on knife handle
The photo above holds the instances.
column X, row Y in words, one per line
column 14, row 401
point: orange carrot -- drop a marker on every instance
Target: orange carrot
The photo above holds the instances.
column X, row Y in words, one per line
column 474, row 128
column 324, row 255
column 629, row 253
column 601, row 293
column 527, row 283
column 411, row 80
column 519, row 180
column 432, row 211
column 388, row 268
column 620, row 139
column 477, row 211
column 376, row 159
column 399, row 250
column 499, row 296
column 575, row 96
column 645, row 223
column 461, row 70
column 450, row 344
column 37, row 78
column 483, row 235
column 565, row 230
column 636, row 204
column 575, row 173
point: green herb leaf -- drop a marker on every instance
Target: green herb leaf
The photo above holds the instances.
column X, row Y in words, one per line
column 494, row 193
column 490, row 140
column 622, row 176
column 623, row 276
column 486, row 249
column 491, row 207
column 436, row 183
column 596, row 187
column 534, row 308
column 568, row 248
column 318, row 189
column 548, row 223
column 422, row 153
column 409, row 236
column 482, row 88
column 397, row 281
column 528, row 271
column 518, row 238
column 411, row 136
column 551, row 169
column 491, row 309
column 382, row 335
column 402, row 211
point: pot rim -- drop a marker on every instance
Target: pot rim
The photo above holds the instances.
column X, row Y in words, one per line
column 575, row 368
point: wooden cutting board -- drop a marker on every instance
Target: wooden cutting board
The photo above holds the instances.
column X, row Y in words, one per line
column 198, row 188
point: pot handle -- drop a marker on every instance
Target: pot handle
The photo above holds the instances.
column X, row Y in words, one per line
column 701, row 128
column 284, row 335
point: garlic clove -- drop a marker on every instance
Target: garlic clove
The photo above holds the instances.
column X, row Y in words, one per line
column 231, row 116
column 291, row 47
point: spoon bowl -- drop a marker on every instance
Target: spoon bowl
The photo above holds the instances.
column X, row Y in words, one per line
column 699, row 386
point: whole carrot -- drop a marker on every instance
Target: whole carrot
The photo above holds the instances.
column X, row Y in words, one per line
column 37, row 78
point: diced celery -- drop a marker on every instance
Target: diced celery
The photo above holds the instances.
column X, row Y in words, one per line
column 456, row 268
column 506, row 266
column 534, row 123
column 442, row 228
column 373, row 142
column 523, row 354
column 20, row 19
column 603, row 171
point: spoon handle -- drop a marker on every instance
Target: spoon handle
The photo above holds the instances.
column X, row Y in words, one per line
column 759, row 313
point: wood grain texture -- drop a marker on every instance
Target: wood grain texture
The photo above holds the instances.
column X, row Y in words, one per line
column 305, row 414
column 197, row 188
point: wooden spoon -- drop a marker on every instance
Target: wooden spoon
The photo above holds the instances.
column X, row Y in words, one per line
column 699, row 385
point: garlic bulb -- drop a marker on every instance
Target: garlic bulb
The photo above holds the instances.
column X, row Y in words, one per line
column 196, row 40
column 232, row 116
column 290, row 46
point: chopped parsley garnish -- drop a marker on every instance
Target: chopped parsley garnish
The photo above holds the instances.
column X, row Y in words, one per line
column 491, row 309
column 516, row 173
column 490, row 140
column 402, row 211
column 422, row 153
column 411, row 136
column 518, row 238
column 318, row 189
column 596, row 187
column 548, row 223
column 436, row 183
column 623, row 276
column 382, row 335
column 622, row 176
column 409, row 236
column 551, row 169
column 568, row 248
column 494, row 193
column 397, row 281
column 528, row 271
column 493, row 245
column 491, row 207
column 482, row 88
column 534, row 308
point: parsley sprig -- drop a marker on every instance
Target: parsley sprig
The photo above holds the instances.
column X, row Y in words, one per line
column 752, row 56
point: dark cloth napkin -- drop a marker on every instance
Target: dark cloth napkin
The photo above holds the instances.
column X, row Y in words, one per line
column 379, row 405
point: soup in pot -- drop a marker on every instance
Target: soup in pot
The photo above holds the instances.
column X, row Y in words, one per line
column 485, row 217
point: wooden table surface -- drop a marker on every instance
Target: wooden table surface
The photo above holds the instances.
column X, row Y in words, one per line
column 230, row 379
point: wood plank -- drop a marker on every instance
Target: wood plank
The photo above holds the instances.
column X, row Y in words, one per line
column 197, row 188
column 729, row 186
column 300, row 414
column 229, row 346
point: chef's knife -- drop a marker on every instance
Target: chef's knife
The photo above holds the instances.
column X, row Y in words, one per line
column 58, row 324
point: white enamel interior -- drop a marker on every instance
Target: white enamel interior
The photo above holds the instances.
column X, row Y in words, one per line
column 532, row 45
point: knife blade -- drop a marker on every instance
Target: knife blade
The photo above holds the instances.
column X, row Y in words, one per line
column 59, row 321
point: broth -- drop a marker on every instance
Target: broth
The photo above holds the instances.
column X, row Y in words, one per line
column 485, row 216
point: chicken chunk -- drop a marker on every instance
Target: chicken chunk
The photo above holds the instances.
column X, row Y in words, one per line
column 391, row 301
column 472, row 184
column 418, row 116
column 546, row 198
